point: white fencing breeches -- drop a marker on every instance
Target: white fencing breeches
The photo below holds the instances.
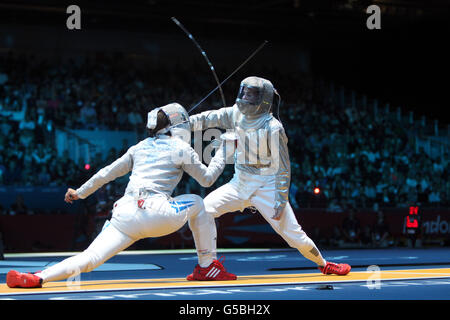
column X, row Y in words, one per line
column 227, row 199
column 156, row 216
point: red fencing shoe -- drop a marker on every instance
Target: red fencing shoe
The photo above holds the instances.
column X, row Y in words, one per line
column 214, row 272
column 335, row 268
column 15, row 279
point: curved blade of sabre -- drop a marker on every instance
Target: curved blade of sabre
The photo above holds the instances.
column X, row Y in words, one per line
column 178, row 23
column 226, row 79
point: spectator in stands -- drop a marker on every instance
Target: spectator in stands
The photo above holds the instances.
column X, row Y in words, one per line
column 351, row 228
column 434, row 197
column 135, row 120
column 18, row 206
column 422, row 194
column 411, row 180
column 336, row 239
column 27, row 140
column 88, row 115
column 13, row 172
column 2, row 168
column 41, row 155
column 412, row 195
column 362, row 201
column 44, row 177
column 366, row 237
column 3, row 78
column 380, row 232
column 335, row 206
column 105, row 119
column 28, row 123
column 387, row 197
column 370, row 191
column 6, row 126
column 122, row 119
column 318, row 238
column 438, row 166
column 28, row 177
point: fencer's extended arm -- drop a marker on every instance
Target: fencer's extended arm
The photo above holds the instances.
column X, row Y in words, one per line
column 222, row 118
column 205, row 175
column 118, row 168
column 280, row 155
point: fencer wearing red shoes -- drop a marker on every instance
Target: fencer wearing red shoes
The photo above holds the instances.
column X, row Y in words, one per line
column 147, row 208
column 214, row 272
column 262, row 166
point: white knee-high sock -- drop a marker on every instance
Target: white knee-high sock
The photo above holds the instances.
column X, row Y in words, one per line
column 70, row 267
column 204, row 231
column 310, row 251
column 299, row 240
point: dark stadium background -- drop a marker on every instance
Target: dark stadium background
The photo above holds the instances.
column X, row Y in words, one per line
column 404, row 65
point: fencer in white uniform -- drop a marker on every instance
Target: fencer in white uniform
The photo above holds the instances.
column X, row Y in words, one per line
column 147, row 209
column 262, row 167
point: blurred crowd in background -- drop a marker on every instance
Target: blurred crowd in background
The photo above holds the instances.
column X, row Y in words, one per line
column 343, row 157
column 352, row 156
column 356, row 158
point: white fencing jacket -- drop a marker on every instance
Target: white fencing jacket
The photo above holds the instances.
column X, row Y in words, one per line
column 261, row 152
column 156, row 164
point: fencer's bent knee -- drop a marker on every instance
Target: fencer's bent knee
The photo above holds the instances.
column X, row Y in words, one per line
column 198, row 204
column 198, row 201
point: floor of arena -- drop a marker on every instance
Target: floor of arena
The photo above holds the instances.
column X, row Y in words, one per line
column 263, row 274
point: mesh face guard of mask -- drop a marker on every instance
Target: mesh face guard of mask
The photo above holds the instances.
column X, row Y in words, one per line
column 255, row 96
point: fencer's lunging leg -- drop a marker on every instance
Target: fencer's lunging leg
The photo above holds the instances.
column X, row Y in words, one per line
column 220, row 201
column 287, row 227
column 107, row 244
column 297, row 238
column 202, row 226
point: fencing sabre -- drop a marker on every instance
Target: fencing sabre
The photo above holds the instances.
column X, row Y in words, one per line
column 211, row 67
column 226, row 79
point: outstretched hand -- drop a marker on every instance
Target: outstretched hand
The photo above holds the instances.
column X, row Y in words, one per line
column 70, row 196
